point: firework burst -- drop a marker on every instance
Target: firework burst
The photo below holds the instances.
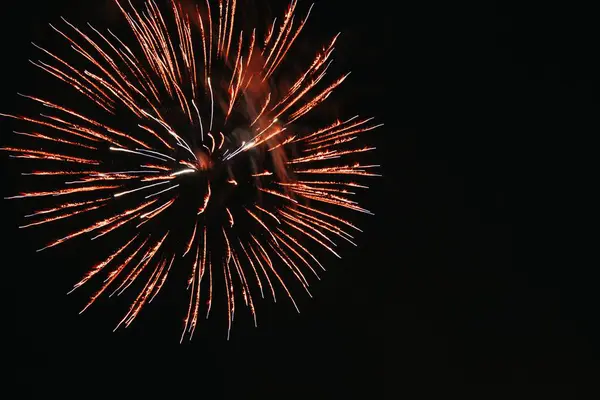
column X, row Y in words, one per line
column 181, row 144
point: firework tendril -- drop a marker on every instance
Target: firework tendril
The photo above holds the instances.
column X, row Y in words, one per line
column 182, row 145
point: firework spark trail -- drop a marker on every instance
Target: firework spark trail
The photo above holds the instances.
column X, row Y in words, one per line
column 112, row 276
column 101, row 266
column 62, row 192
column 97, row 225
column 143, row 296
column 66, row 206
column 268, row 261
column 258, row 280
column 59, row 217
column 58, row 140
column 163, row 280
column 173, row 75
column 196, row 293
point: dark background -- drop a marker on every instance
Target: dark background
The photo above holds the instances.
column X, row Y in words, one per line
column 484, row 107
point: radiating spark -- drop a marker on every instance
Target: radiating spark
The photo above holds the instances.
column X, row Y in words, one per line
column 144, row 294
column 162, row 191
column 157, row 153
column 212, row 140
column 62, row 192
column 183, row 172
column 137, row 152
column 163, row 280
column 285, row 142
column 212, row 105
column 206, row 200
column 265, row 173
column 275, row 193
column 138, row 189
column 58, row 140
column 268, row 213
column 44, row 155
column 101, row 266
column 230, row 217
column 191, row 242
column 59, row 217
column 159, row 210
column 97, row 225
column 199, row 120
column 261, row 223
column 113, row 276
column 66, row 206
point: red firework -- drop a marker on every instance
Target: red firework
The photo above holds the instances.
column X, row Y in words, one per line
column 189, row 110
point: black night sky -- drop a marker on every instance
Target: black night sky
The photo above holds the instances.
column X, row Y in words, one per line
column 435, row 292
